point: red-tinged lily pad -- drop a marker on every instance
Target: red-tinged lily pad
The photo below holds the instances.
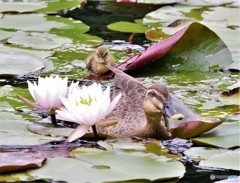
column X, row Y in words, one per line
column 191, row 129
column 185, row 50
column 16, row 161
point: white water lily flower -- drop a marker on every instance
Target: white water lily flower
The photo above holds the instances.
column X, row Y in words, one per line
column 87, row 106
column 49, row 91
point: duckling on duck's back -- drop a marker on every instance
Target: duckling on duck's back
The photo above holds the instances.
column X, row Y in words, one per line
column 140, row 110
column 96, row 63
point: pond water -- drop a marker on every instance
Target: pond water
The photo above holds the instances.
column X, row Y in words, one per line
column 198, row 90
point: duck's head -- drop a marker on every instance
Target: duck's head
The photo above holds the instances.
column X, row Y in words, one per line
column 158, row 100
column 101, row 54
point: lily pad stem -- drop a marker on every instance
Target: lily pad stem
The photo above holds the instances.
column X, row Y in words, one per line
column 96, row 137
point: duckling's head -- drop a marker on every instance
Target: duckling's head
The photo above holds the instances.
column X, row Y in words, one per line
column 158, row 100
column 102, row 54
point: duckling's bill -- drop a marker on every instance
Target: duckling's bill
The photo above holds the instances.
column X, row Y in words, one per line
column 100, row 60
column 170, row 112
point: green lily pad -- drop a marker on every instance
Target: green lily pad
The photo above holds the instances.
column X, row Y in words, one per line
column 218, row 158
column 36, row 40
column 190, row 53
column 202, row 153
column 14, row 131
column 106, row 166
column 167, row 15
column 210, row 3
column 225, row 135
column 35, row 22
column 128, row 27
column 54, row 6
column 235, row 66
column 71, row 27
column 39, row 53
column 21, row 6
column 5, row 35
column 227, row 160
column 19, row 64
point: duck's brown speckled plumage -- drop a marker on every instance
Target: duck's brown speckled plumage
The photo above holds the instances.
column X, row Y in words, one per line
column 129, row 112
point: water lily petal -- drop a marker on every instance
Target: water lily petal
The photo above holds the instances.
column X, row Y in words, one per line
column 114, row 102
column 79, row 132
column 87, row 105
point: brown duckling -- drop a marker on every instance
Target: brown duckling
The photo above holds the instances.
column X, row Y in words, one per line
column 96, row 63
column 140, row 112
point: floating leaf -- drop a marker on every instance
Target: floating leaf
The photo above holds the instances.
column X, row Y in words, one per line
column 226, row 135
column 191, row 129
column 185, row 51
column 14, row 131
column 140, row 166
column 53, row 7
column 19, row 64
column 218, row 158
column 47, row 129
column 182, row 51
column 71, row 29
column 35, row 22
column 39, row 53
column 128, row 27
column 5, row 35
column 21, row 7
column 202, row 153
column 16, row 161
column 35, row 40
column 226, row 160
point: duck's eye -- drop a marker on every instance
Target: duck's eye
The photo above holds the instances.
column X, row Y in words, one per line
column 152, row 93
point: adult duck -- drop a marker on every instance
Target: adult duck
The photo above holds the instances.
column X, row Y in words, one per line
column 141, row 112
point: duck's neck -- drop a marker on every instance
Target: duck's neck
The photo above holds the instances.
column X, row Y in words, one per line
column 155, row 127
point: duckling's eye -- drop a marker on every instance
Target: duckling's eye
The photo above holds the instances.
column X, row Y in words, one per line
column 105, row 55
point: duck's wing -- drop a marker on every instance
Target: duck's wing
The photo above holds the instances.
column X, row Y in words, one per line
column 127, row 84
